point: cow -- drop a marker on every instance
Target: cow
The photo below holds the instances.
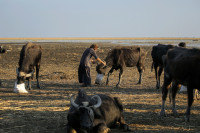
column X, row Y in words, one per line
column 157, row 52
column 30, row 58
column 2, row 50
column 121, row 57
column 95, row 113
column 181, row 66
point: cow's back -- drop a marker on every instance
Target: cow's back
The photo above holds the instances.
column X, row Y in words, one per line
column 30, row 53
column 183, row 65
column 128, row 56
column 158, row 51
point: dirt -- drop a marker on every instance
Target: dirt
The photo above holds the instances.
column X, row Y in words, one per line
column 45, row 110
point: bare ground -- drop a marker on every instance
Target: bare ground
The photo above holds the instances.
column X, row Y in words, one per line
column 45, row 110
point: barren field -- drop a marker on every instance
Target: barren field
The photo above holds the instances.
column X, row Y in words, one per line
column 45, row 110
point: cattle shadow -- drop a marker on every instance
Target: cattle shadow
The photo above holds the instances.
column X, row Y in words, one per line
column 33, row 121
column 55, row 121
column 145, row 121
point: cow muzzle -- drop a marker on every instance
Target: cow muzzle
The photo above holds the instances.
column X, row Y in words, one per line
column 26, row 75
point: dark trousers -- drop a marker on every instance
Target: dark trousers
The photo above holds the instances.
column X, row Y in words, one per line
column 84, row 75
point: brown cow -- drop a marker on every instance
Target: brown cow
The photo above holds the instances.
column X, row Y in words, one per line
column 121, row 57
column 30, row 57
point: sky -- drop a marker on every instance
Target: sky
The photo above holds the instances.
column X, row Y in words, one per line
column 99, row 18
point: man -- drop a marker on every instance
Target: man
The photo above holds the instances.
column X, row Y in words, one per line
column 85, row 64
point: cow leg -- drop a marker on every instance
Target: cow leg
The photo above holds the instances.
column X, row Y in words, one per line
column 29, row 86
column 123, row 124
column 165, row 88
column 109, row 73
column 70, row 129
column 156, row 74
column 158, row 80
column 37, row 75
column 196, row 94
column 120, row 75
column 101, row 126
column 174, row 91
column 190, row 101
column 140, row 70
column 140, row 78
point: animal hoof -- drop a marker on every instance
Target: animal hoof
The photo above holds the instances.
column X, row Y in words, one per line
column 118, row 86
column 126, row 128
column 187, row 119
column 105, row 130
column 162, row 114
column 157, row 87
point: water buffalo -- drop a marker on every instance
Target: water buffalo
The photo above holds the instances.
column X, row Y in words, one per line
column 181, row 66
column 121, row 57
column 94, row 113
column 157, row 52
column 30, row 58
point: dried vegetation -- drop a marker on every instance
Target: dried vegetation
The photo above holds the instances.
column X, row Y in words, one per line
column 45, row 110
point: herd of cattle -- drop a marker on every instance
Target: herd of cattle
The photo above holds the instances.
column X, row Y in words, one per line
column 99, row 112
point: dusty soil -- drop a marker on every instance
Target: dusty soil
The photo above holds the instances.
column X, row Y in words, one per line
column 45, row 110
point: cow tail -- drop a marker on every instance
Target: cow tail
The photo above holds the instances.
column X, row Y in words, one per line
column 152, row 67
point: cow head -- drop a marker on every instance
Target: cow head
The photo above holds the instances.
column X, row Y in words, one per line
column 101, row 71
column 86, row 110
column 21, row 76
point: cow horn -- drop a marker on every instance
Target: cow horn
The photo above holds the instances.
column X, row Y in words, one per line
column 99, row 101
column 72, row 102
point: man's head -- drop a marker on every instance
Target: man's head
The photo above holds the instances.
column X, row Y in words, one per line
column 94, row 46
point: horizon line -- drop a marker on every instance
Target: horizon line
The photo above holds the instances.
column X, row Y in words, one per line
column 100, row 38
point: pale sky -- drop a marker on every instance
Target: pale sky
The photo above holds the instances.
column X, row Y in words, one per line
column 99, row 18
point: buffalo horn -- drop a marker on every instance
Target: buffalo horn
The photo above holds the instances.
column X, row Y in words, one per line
column 99, row 102
column 72, row 102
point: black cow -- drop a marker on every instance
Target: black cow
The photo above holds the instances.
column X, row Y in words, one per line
column 2, row 50
column 94, row 114
column 181, row 66
column 157, row 52
column 121, row 57
column 30, row 58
